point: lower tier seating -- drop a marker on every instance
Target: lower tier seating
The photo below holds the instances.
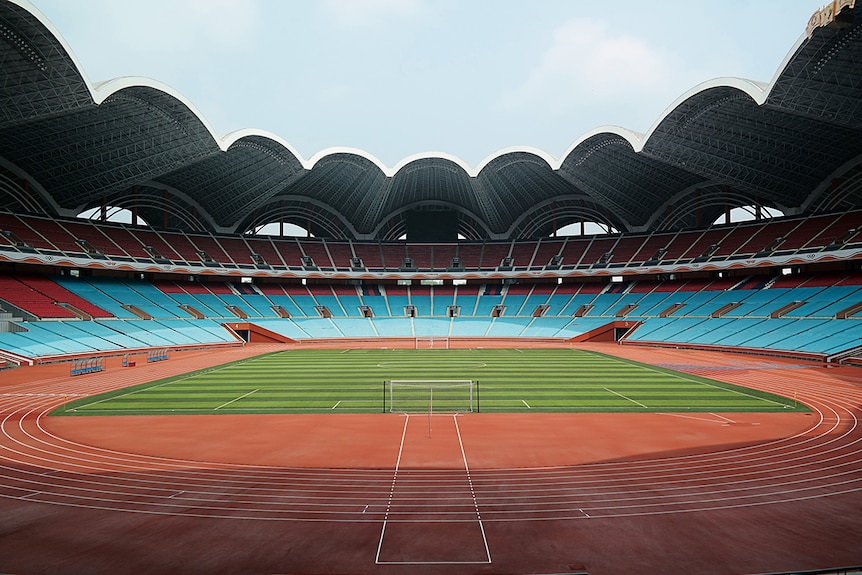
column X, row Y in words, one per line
column 812, row 314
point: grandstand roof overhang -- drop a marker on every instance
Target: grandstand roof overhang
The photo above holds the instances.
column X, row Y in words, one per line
column 136, row 143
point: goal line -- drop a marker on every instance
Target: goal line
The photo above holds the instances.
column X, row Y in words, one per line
column 430, row 395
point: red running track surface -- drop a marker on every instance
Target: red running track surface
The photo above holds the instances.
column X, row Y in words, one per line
column 481, row 493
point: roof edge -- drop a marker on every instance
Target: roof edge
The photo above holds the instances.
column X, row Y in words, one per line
column 100, row 91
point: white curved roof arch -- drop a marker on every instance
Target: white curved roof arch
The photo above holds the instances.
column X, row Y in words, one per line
column 313, row 160
column 103, row 90
column 550, row 159
column 757, row 91
column 635, row 139
column 231, row 138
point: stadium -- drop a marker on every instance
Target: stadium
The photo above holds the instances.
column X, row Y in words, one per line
column 432, row 379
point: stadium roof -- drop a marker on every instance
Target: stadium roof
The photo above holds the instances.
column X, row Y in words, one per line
column 68, row 144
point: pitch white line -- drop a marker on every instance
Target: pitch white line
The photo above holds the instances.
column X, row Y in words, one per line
column 472, row 490
column 235, row 399
column 624, row 397
column 187, row 376
column 682, row 375
column 392, row 488
column 86, row 405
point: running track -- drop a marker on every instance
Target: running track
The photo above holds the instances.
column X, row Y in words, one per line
column 458, row 502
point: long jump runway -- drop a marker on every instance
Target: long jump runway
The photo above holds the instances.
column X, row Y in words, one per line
column 476, row 493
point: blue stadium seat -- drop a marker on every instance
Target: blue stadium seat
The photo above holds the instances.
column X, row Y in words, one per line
column 548, row 326
column 394, row 326
column 508, row 326
column 436, row 326
column 355, row 327
column 470, row 326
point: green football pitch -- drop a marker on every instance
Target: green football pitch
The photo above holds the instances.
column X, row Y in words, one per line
column 358, row 381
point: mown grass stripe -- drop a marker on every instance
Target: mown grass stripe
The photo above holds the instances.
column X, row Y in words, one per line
column 543, row 380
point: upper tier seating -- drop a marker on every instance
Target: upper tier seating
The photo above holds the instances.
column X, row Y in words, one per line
column 722, row 242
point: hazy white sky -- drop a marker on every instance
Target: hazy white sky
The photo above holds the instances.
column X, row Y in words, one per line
column 399, row 77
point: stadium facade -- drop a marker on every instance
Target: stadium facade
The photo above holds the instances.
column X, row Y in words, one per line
column 794, row 143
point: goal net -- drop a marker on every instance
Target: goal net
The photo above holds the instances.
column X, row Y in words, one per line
column 432, row 342
column 431, row 395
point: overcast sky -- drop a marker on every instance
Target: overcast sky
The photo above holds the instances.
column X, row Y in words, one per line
column 400, row 77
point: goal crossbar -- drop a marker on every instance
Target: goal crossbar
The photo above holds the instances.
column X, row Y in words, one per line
column 431, row 395
column 431, row 342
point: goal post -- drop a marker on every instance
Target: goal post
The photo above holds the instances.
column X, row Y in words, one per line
column 431, row 395
column 431, row 342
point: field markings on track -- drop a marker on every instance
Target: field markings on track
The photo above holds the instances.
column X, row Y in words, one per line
column 492, row 520
column 626, row 398
column 486, row 560
column 727, row 419
column 691, row 417
column 685, row 377
column 392, row 488
column 472, row 490
column 235, row 399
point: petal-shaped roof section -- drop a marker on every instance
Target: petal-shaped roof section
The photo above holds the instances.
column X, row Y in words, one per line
column 239, row 180
column 638, row 184
column 136, row 143
column 41, row 77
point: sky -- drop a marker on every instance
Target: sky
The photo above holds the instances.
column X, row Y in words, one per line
column 400, row 77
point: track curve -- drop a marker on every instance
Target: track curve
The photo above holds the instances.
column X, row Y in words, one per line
column 823, row 460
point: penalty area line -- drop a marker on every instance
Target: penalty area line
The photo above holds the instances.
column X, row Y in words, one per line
column 235, row 399
column 691, row 378
column 626, row 398
column 172, row 380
